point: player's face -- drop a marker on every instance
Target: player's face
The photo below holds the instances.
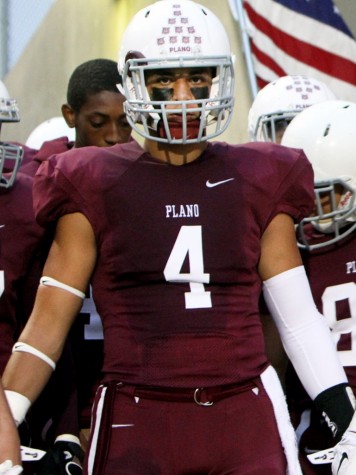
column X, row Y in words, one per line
column 183, row 84
column 180, row 84
column 102, row 121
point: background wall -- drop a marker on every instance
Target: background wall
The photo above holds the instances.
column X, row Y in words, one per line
column 75, row 31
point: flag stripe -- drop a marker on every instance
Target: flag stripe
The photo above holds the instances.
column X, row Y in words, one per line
column 309, row 54
column 267, row 73
column 267, row 61
column 305, row 28
column 325, row 12
column 302, row 37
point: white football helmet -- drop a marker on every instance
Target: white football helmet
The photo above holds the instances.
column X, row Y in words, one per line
column 10, row 154
column 48, row 130
column 326, row 133
column 176, row 34
column 279, row 101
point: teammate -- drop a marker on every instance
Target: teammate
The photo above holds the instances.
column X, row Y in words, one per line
column 176, row 239
column 279, row 101
column 10, row 156
column 327, row 239
column 95, row 111
column 272, row 110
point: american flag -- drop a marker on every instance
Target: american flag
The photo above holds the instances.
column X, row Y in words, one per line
column 300, row 37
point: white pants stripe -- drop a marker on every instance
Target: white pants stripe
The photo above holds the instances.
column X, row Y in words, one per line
column 275, row 392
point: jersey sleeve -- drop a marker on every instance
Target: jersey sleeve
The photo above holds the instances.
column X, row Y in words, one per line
column 295, row 193
column 54, row 195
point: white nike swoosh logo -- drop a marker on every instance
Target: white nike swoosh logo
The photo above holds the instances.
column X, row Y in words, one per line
column 209, row 184
column 114, row 426
column 2, row 225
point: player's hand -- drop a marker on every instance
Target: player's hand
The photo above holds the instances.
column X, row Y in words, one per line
column 7, row 468
column 65, row 458
column 344, row 462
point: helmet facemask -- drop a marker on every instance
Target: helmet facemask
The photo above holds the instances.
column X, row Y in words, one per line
column 214, row 111
column 10, row 161
column 9, row 111
column 10, row 155
column 270, row 126
column 334, row 216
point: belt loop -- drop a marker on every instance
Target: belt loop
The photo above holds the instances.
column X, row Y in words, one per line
column 197, row 400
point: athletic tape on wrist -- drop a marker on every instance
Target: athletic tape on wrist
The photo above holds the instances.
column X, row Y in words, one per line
column 19, row 405
column 50, row 282
column 25, row 348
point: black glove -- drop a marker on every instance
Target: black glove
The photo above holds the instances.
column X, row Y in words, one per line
column 65, row 458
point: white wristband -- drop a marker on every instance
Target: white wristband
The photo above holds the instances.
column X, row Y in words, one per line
column 19, row 405
column 8, row 468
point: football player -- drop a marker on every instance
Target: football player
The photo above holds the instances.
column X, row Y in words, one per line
column 10, row 156
column 95, row 112
column 326, row 132
column 178, row 238
column 274, row 107
column 279, row 101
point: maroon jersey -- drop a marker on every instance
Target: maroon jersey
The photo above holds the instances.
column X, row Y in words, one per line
column 20, row 249
column 33, row 158
column 176, row 283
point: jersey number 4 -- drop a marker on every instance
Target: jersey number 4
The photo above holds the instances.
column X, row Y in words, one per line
column 189, row 245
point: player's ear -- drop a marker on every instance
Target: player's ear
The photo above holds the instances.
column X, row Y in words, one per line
column 69, row 115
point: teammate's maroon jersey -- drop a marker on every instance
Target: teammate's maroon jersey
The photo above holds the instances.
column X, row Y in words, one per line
column 332, row 275
column 20, row 247
column 176, row 283
column 34, row 158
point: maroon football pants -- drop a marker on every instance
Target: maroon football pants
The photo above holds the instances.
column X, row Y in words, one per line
column 236, row 435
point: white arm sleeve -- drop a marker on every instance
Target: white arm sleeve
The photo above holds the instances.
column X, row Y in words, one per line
column 303, row 331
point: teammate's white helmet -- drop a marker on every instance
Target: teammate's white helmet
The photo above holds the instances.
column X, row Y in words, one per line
column 48, row 130
column 326, row 133
column 279, row 101
column 176, row 34
column 10, row 154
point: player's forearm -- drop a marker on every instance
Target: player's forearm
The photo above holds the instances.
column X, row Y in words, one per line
column 39, row 346
column 26, row 375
